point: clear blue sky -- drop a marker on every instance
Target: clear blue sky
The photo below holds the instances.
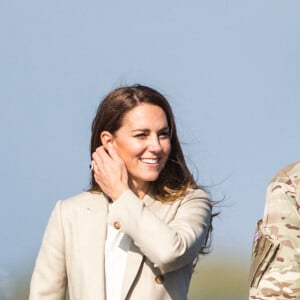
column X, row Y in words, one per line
column 230, row 69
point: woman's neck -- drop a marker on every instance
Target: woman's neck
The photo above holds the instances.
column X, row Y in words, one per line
column 139, row 188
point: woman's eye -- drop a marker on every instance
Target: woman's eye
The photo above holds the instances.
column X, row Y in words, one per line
column 140, row 135
column 164, row 134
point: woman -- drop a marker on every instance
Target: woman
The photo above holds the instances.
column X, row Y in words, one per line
column 139, row 229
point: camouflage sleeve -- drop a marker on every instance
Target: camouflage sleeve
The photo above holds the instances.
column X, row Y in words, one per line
column 275, row 261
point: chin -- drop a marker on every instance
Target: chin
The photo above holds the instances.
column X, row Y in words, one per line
column 150, row 178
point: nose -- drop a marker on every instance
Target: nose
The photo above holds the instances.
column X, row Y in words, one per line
column 154, row 144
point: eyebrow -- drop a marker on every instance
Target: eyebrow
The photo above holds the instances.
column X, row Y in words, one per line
column 146, row 129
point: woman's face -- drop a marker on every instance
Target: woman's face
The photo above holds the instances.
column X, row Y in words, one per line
column 143, row 143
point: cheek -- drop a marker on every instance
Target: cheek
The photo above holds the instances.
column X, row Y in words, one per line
column 167, row 148
column 128, row 150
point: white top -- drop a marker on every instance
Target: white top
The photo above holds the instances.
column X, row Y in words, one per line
column 116, row 248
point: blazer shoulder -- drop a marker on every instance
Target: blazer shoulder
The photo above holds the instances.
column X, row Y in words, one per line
column 86, row 200
column 196, row 194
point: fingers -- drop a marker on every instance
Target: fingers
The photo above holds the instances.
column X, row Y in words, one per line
column 109, row 171
column 100, row 156
column 112, row 152
column 105, row 155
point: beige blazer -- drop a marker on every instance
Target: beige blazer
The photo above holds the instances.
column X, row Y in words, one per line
column 166, row 238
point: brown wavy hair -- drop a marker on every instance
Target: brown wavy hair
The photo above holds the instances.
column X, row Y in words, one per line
column 175, row 178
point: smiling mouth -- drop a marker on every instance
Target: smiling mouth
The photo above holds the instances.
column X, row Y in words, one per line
column 150, row 160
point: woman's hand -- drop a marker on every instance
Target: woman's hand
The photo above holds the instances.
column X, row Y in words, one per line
column 110, row 171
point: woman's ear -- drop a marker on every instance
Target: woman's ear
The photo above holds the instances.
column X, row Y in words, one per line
column 106, row 137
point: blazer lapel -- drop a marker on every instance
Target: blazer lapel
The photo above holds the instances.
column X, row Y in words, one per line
column 134, row 259
column 133, row 265
column 92, row 234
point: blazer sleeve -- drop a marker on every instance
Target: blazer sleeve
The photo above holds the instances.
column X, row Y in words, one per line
column 168, row 245
column 49, row 276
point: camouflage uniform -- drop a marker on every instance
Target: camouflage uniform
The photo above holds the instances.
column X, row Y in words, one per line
column 275, row 264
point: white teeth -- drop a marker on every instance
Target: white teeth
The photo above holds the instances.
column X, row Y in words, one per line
column 150, row 160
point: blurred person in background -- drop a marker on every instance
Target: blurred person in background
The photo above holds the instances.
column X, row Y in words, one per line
column 275, row 265
column 139, row 229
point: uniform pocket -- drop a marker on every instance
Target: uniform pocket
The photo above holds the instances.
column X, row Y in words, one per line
column 263, row 253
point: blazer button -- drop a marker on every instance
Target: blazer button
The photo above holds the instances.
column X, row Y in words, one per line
column 159, row 279
column 117, row 225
